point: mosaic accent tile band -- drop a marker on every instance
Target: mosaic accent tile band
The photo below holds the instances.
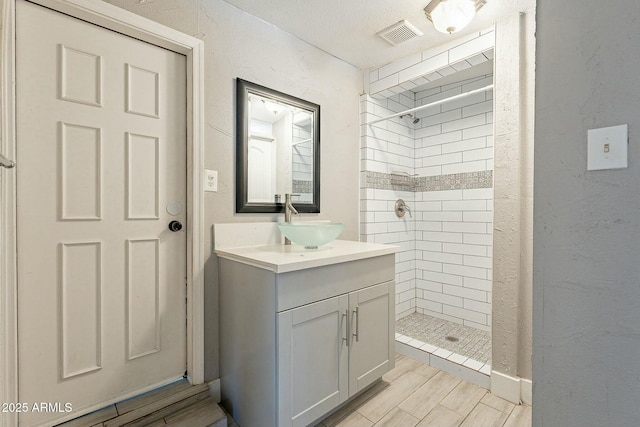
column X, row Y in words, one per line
column 299, row 186
column 455, row 181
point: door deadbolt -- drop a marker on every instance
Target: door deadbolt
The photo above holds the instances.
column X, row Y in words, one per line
column 175, row 226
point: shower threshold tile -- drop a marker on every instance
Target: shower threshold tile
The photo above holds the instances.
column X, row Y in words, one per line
column 457, row 358
column 403, row 339
column 416, row 343
column 429, row 348
column 473, row 364
column 456, row 364
column 441, row 352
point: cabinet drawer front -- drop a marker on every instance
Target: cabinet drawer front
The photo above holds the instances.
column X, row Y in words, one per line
column 312, row 361
column 302, row 287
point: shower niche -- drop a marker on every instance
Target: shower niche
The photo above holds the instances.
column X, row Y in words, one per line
column 429, row 142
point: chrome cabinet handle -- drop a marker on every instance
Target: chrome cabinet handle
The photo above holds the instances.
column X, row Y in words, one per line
column 357, row 323
column 345, row 316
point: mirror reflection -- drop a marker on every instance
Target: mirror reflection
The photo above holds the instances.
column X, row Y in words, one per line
column 278, row 137
column 280, row 151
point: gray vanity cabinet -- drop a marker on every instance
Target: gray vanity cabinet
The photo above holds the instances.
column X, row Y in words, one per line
column 295, row 346
column 330, row 350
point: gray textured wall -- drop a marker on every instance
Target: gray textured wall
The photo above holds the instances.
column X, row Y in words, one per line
column 586, row 335
column 513, row 197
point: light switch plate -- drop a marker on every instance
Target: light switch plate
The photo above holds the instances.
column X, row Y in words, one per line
column 607, row 148
column 210, row 180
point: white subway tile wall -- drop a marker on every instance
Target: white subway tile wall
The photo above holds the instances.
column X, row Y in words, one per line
column 444, row 267
column 389, row 147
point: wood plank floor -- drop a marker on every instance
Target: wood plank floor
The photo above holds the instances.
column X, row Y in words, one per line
column 178, row 404
column 414, row 394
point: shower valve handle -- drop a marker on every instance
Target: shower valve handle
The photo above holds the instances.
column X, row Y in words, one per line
column 401, row 208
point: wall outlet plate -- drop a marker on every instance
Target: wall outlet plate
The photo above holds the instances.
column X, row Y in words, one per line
column 607, row 148
column 210, row 180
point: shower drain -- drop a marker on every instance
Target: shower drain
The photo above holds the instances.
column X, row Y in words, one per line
column 452, row 339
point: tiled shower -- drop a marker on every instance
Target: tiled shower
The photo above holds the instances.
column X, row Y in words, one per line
column 442, row 167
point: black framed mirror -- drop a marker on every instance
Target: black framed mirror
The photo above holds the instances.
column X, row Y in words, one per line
column 277, row 150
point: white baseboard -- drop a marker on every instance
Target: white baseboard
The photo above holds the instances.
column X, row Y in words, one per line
column 526, row 391
column 506, row 387
column 214, row 390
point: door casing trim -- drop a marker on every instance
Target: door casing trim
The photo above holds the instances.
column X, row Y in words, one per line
column 125, row 22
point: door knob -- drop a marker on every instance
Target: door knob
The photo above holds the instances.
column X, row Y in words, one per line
column 175, row 226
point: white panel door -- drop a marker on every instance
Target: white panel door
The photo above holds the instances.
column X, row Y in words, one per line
column 261, row 158
column 101, row 125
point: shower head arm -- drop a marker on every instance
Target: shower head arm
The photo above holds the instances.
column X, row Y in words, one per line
column 412, row 117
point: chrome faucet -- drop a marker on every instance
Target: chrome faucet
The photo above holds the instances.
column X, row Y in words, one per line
column 288, row 207
column 288, row 210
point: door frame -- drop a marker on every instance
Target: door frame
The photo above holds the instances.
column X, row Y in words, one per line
column 125, row 22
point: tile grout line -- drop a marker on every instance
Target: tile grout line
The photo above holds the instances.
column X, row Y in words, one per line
column 470, row 412
column 426, row 380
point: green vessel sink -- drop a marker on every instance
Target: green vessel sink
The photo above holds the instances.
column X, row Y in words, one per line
column 311, row 234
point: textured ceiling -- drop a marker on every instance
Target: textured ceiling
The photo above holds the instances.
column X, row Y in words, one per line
column 347, row 28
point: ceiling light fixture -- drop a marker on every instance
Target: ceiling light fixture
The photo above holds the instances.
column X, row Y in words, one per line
column 272, row 106
column 450, row 16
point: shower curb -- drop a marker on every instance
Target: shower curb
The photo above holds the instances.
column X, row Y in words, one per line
column 455, row 364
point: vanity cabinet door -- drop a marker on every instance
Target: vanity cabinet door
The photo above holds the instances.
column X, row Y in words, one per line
column 312, row 361
column 372, row 316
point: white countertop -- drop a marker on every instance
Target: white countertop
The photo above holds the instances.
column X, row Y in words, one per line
column 284, row 258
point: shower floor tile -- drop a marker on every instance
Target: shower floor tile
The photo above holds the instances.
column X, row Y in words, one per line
column 472, row 343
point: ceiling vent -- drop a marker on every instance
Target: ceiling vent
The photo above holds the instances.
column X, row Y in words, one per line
column 400, row 32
